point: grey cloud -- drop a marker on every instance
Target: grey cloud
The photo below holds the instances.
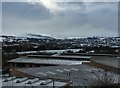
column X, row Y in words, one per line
column 26, row 11
column 101, row 20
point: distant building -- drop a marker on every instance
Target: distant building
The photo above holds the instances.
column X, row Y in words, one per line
column 80, row 75
column 24, row 82
column 39, row 61
column 107, row 63
column 64, row 68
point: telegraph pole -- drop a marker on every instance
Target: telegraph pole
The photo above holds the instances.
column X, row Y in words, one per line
column 53, row 83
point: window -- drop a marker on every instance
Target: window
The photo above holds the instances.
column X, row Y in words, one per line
column 30, row 65
column 13, row 64
column 20, row 65
column 37, row 65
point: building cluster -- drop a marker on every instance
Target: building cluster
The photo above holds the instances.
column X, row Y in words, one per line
column 82, row 62
column 29, row 44
column 63, row 71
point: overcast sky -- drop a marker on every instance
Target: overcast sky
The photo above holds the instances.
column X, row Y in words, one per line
column 60, row 19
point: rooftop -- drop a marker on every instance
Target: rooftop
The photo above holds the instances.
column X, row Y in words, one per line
column 80, row 75
column 58, row 56
column 109, row 61
column 45, row 61
column 9, row 82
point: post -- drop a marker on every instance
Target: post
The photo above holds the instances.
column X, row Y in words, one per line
column 53, row 83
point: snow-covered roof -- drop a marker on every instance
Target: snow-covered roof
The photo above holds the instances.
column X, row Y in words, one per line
column 45, row 61
column 35, row 82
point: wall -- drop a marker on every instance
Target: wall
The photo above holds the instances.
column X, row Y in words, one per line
column 105, row 67
column 16, row 73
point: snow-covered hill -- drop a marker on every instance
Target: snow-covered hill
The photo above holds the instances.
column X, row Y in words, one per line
column 36, row 36
column 25, row 37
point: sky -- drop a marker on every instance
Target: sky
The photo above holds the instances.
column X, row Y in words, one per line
column 60, row 19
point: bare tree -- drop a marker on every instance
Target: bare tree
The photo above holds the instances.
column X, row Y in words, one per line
column 104, row 78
